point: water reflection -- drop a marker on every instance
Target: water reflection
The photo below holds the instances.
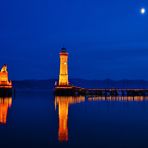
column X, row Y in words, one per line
column 118, row 98
column 63, row 103
column 5, row 104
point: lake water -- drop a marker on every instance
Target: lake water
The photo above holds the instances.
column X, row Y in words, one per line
column 35, row 118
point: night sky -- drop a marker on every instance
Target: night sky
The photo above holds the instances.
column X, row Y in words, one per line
column 104, row 38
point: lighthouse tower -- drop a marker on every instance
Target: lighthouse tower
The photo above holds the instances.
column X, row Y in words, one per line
column 63, row 76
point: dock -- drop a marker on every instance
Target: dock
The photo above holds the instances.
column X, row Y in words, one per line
column 73, row 90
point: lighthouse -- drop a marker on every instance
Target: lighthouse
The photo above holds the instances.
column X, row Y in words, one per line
column 63, row 87
column 63, row 75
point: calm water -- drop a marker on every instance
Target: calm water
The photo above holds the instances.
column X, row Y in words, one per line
column 38, row 119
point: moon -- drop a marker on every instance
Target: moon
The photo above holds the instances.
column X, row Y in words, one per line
column 142, row 10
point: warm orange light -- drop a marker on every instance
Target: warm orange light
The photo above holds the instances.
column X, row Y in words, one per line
column 118, row 98
column 5, row 103
column 63, row 105
column 4, row 82
column 64, row 102
column 63, row 76
column 63, row 119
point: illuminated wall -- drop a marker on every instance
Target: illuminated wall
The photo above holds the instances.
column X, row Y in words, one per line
column 4, row 76
column 63, row 76
column 5, row 103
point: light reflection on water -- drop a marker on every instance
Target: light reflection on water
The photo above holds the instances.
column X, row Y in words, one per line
column 63, row 106
column 5, row 104
column 47, row 120
column 64, row 102
column 118, row 98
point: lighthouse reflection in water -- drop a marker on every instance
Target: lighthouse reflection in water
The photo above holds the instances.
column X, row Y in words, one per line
column 39, row 119
column 64, row 102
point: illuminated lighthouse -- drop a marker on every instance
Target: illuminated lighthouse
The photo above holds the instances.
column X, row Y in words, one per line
column 63, row 76
column 63, row 87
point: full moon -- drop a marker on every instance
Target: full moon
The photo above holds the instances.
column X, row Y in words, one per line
column 142, row 10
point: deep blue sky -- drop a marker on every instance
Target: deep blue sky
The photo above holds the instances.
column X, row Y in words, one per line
column 105, row 38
